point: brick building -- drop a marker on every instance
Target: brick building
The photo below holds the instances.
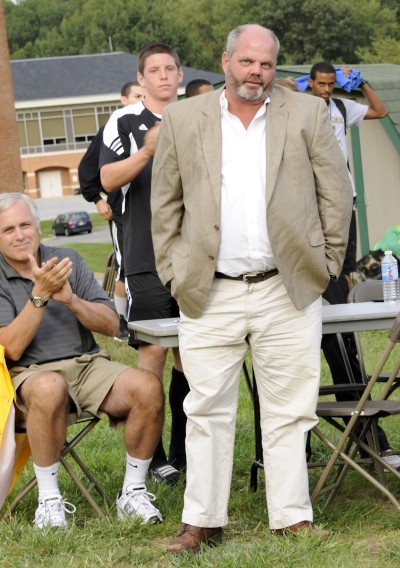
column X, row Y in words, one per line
column 10, row 164
column 60, row 104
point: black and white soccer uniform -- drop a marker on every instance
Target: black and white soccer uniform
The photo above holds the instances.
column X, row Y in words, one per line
column 91, row 188
column 123, row 136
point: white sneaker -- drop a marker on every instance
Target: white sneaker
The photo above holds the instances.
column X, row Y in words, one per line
column 138, row 503
column 51, row 513
column 391, row 459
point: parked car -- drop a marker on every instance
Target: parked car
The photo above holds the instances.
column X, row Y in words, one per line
column 72, row 223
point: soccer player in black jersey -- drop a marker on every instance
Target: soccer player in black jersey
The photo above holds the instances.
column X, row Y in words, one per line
column 126, row 157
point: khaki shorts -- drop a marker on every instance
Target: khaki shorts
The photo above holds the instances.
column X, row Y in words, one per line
column 89, row 378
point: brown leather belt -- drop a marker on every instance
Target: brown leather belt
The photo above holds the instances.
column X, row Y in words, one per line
column 251, row 278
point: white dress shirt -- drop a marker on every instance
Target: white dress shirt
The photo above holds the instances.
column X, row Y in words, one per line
column 245, row 246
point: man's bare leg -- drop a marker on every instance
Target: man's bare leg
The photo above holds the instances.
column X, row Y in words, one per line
column 138, row 396
column 45, row 396
column 152, row 358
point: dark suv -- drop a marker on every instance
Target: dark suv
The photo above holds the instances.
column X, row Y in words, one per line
column 72, row 223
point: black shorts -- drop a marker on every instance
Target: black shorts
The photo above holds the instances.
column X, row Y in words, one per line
column 117, row 240
column 148, row 299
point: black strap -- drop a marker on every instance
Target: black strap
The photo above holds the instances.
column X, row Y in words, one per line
column 340, row 104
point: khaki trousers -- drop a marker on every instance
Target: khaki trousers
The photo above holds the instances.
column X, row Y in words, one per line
column 285, row 347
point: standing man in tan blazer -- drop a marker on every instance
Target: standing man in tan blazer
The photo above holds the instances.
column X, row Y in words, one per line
column 251, row 206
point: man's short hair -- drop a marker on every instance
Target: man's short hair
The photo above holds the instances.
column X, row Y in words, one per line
column 321, row 67
column 153, row 49
column 125, row 89
column 192, row 88
column 234, row 36
column 7, row 200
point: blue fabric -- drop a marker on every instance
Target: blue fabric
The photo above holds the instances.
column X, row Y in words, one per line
column 349, row 83
column 302, row 83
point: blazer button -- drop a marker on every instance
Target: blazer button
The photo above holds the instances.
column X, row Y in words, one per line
column 216, row 228
column 211, row 257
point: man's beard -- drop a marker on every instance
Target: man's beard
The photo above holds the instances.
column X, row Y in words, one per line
column 243, row 93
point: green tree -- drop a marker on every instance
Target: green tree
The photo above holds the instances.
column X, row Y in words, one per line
column 309, row 30
column 31, row 20
column 381, row 51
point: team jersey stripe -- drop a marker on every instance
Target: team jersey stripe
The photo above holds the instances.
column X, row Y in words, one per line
column 116, row 146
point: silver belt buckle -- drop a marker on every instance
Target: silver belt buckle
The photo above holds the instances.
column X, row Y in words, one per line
column 249, row 275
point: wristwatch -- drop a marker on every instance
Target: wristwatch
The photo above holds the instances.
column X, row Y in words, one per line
column 38, row 301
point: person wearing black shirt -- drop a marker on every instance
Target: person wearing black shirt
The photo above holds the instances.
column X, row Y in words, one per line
column 126, row 159
column 110, row 208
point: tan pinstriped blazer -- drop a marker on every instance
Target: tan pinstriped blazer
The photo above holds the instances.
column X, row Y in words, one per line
column 309, row 197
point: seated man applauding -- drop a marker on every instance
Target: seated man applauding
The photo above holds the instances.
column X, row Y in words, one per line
column 50, row 303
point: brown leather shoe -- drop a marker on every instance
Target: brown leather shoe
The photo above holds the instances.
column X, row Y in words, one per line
column 191, row 538
column 303, row 528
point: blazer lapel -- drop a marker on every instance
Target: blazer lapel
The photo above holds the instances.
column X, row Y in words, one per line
column 211, row 139
column 275, row 135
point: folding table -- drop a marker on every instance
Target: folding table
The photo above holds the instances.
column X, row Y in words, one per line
column 365, row 316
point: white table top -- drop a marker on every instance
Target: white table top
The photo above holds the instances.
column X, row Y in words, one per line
column 363, row 316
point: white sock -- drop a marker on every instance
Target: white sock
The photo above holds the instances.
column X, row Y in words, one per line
column 47, row 480
column 121, row 305
column 135, row 473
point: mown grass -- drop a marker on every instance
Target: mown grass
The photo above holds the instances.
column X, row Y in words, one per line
column 365, row 525
column 47, row 231
column 95, row 254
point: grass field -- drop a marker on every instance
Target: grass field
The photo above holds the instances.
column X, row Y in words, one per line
column 95, row 254
column 365, row 525
column 46, row 226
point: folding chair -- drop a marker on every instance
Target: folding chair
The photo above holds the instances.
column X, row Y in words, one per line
column 86, row 422
column 368, row 291
column 361, row 419
column 109, row 275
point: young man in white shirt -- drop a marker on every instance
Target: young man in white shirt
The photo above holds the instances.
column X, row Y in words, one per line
column 344, row 113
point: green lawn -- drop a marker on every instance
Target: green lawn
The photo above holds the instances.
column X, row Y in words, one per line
column 365, row 524
column 95, row 254
column 46, row 226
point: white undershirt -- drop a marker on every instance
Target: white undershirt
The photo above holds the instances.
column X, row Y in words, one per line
column 355, row 113
column 245, row 246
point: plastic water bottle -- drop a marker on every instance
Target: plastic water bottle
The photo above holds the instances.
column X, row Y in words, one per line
column 390, row 278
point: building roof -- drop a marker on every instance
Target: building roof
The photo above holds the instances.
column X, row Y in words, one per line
column 384, row 78
column 103, row 74
column 83, row 75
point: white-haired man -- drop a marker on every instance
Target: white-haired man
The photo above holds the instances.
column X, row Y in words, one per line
column 50, row 303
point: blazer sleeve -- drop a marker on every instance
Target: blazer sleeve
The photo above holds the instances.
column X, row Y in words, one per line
column 334, row 191
column 166, row 200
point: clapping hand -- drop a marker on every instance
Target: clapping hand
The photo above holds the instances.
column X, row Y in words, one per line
column 51, row 279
